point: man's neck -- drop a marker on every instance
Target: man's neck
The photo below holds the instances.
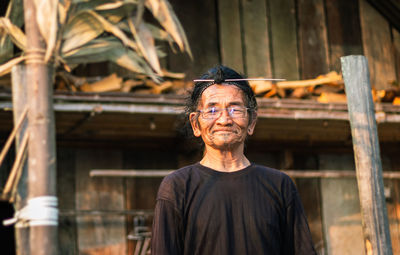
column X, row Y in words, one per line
column 225, row 160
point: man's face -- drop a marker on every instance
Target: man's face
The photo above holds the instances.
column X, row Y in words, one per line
column 223, row 132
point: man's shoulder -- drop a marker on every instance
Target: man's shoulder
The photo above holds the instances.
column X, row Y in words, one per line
column 278, row 179
column 271, row 172
column 181, row 174
column 174, row 183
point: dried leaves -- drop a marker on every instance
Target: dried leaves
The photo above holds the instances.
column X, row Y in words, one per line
column 82, row 31
column 163, row 12
column 48, row 23
column 328, row 88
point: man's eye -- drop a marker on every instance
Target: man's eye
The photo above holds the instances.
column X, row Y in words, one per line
column 212, row 110
column 236, row 110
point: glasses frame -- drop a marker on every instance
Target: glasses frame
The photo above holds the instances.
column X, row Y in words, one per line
column 218, row 115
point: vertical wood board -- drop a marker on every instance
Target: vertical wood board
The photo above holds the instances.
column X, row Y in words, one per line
column 393, row 203
column 141, row 193
column 377, row 46
column 310, row 193
column 341, row 208
column 344, row 30
column 313, row 42
column 99, row 234
column 67, row 237
column 396, row 45
column 367, row 154
column 199, row 20
column 256, row 38
column 284, row 53
column 230, row 37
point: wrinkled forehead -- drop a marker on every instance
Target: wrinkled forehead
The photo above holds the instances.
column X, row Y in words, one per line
column 222, row 94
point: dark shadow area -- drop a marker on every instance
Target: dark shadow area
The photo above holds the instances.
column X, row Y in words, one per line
column 7, row 241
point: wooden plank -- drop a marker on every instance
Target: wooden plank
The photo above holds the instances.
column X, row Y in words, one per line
column 310, row 194
column 230, row 36
column 313, row 42
column 256, row 39
column 285, row 59
column 396, row 45
column 367, row 155
column 99, row 234
column 344, row 30
column 141, row 193
column 67, row 235
column 393, row 201
column 303, row 174
column 340, row 208
column 377, row 46
column 198, row 19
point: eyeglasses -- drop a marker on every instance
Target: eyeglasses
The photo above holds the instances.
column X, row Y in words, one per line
column 235, row 112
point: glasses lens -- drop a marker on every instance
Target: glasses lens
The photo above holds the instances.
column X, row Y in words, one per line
column 215, row 112
column 237, row 112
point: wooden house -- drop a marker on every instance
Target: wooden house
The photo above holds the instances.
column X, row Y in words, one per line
column 292, row 39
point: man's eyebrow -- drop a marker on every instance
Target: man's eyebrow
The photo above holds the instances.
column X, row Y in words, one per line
column 211, row 104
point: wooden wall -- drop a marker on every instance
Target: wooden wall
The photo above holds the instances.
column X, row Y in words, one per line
column 292, row 39
column 331, row 205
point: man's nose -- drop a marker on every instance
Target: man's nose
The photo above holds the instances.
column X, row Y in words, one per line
column 224, row 117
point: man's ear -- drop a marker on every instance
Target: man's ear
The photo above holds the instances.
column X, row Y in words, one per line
column 252, row 125
column 194, row 122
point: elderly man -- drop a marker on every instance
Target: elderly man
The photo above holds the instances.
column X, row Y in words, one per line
column 226, row 204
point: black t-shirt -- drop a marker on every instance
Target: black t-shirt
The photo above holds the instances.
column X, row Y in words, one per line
column 255, row 210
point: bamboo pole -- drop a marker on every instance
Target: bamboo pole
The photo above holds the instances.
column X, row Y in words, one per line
column 367, row 155
column 41, row 148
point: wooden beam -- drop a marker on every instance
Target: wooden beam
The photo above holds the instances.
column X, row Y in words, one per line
column 367, row 155
column 157, row 173
column 390, row 9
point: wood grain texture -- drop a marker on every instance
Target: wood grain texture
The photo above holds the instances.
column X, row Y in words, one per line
column 366, row 154
column 377, row 46
column 67, row 235
column 396, row 44
column 313, row 42
column 99, row 234
column 198, row 19
column 256, row 38
column 284, row 53
column 393, row 202
column 141, row 193
column 19, row 98
column 230, row 38
column 340, row 208
column 310, row 194
column 344, row 30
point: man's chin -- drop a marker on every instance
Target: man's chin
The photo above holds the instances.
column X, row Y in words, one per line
column 226, row 144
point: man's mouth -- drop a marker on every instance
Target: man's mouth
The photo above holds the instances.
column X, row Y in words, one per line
column 223, row 131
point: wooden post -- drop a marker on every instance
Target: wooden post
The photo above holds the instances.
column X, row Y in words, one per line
column 19, row 103
column 367, row 155
column 41, row 147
